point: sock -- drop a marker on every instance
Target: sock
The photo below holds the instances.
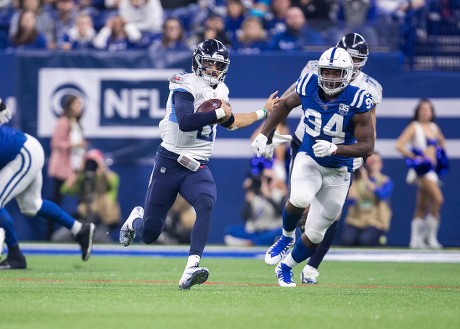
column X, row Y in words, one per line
column 301, row 251
column 53, row 212
column 290, row 234
column 11, row 239
column 289, row 261
column 290, row 221
column 193, row 261
column 76, row 227
column 317, row 257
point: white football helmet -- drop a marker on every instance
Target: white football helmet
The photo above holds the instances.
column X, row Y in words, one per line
column 337, row 59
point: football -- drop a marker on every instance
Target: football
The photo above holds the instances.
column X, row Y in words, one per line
column 210, row 105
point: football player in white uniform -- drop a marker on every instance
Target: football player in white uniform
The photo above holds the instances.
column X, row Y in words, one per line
column 180, row 164
column 338, row 128
column 21, row 163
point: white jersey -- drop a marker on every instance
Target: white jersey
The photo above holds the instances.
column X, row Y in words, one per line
column 362, row 80
column 197, row 144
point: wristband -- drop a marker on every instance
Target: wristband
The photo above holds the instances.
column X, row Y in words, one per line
column 220, row 113
column 261, row 114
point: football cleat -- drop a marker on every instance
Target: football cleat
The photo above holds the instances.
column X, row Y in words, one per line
column 192, row 276
column 16, row 263
column 284, row 275
column 85, row 239
column 309, row 275
column 127, row 233
column 277, row 251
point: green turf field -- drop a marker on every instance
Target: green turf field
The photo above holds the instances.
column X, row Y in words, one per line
column 141, row 292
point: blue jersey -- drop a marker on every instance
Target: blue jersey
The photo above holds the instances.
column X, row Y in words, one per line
column 11, row 142
column 330, row 120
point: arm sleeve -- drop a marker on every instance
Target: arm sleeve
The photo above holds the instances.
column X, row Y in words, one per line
column 186, row 118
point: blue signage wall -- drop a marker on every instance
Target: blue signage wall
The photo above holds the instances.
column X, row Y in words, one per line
column 125, row 95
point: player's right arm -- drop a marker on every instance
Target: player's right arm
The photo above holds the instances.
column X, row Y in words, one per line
column 285, row 106
column 187, row 118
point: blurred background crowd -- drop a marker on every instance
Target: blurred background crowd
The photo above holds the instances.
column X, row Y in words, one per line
column 429, row 29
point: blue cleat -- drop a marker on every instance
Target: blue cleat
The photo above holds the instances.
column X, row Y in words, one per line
column 284, row 275
column 277, row 251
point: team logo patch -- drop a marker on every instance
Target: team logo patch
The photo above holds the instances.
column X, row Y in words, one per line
column 343, row 109
column 162, row 170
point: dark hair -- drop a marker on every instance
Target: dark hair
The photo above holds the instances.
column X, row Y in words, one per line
column 166, row 40
column 22, row 36
column 67, row 102
column 419, row 105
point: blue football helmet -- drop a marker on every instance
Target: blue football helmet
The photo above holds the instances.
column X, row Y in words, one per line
column 211, row 61
column 356, row 46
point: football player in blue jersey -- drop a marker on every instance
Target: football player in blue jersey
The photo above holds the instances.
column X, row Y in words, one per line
column 358, row 49
column 338, row 128
column 21, row 163
column 180, row 164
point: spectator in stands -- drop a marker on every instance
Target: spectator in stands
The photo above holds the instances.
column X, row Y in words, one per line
column 64, row 19
column 27, row 35
column 96, row 188
column 68, row 145
column 189, row 12
column 145, row 15
column 45, row 24
column 265, row 195
column 251, row 38
column 321, row 15
column 422, row 143
column 214, row 28
column 275, row 21
column 298, row 35
column 359, row 16
column 117, row 35
column 80, row 36
column 236, row 13
column 173, row 38
column 369, row 212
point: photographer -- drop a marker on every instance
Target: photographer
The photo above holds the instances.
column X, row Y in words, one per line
column 96, row 188
column 264, row 200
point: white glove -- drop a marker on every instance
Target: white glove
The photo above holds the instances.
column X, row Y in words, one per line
column 260, row 147
column 324, row 148
column 357, row 163
column 5, row 113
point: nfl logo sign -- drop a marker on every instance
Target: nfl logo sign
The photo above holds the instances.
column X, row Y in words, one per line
column 343, row 109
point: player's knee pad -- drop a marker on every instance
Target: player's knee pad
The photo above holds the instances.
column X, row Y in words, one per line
column 204, row 204
column 300, row 200
column 30, row 208
column 314, row 236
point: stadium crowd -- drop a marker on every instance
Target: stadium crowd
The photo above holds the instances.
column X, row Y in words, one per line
column 246, row 26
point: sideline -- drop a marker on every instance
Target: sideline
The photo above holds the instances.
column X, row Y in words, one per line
column 335, row 254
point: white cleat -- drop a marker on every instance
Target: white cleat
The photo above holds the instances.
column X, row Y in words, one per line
column 192, row 276
column 309, row 275
column 127, row 233
column 284, row 275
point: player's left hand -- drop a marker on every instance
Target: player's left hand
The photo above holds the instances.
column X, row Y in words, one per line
column 272, row 102
column 324, row 148
column 5, row 113
column 260, row 146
